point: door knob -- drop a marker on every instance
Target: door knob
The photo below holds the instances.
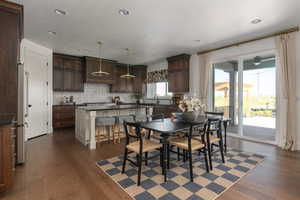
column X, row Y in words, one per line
column 29, row 106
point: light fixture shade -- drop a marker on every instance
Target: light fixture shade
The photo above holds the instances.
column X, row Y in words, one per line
column 128, row 76
column 100, row 72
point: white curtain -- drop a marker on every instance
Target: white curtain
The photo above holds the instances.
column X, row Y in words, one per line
column 205, row 66
column 286, row 118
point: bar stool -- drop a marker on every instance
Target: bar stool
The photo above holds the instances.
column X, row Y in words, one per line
column 119, row 131
column 102, row 123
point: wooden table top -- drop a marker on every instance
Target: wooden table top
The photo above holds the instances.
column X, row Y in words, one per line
column 169, row 125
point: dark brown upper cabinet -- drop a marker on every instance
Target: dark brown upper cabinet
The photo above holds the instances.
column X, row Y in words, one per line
column 68, row 73
column 11, row 34
column 132, row 85
column 179, row 73
column 121, row 85
column 92, row 65
column 139, row 82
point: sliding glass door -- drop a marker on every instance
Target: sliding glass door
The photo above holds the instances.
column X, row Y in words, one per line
column 259, row 98
column 225, row 91
column 245, row 90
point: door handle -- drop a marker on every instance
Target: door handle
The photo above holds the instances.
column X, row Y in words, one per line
column 29, row 105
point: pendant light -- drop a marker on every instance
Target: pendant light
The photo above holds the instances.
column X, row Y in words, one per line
column 100, row 72
column 127, row 75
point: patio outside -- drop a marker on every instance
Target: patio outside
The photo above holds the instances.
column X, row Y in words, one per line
column 259, row 101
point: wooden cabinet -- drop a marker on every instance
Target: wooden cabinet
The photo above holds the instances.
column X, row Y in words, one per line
column 121, row 85
column 178, row 73
column 11, row 34
column 7, row 160
column 139, row 83
column 92, row 65
column 167, row 110
column 63, row 116
column 133, row 85
column 68, row 73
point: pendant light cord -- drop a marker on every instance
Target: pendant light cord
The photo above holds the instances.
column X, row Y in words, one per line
column 100, row 60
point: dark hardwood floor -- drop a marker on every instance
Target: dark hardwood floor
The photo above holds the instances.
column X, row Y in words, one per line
column 59, row 168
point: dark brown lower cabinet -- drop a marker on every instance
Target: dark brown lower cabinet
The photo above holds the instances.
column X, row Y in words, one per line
column 167, row 110
column 63, row 116
column 7, row 149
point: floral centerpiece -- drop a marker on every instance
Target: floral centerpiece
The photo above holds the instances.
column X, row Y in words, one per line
column 191, row 108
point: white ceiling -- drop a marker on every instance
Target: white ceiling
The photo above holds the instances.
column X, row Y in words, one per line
column 155, row 29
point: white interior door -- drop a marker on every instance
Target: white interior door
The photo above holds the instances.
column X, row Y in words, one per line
column 37, row 91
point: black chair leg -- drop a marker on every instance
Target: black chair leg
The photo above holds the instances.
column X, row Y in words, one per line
column 209, row 156
column 168, row 156
column 178, row 152
column 184, row 156
column 146, row 158
column 140, row 168
column 162, row 160
column 191, row 165
column 161, row 156
column 206, row 161
column 124, row 161
column 222, row 151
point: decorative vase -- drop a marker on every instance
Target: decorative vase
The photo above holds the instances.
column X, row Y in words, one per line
column 189, row 116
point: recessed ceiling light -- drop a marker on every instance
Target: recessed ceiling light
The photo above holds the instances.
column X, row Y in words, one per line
column 53, row 33
column 124, row 12
column 60, row 12
column 256, row 21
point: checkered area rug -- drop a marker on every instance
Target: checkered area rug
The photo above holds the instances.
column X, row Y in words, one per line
column 205, row 186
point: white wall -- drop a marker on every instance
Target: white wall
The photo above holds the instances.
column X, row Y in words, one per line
column 92, row 93
column 27, row 45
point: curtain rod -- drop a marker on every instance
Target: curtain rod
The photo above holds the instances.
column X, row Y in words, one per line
column 295, row 29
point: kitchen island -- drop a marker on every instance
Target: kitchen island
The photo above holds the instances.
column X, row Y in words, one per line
column 85, row 116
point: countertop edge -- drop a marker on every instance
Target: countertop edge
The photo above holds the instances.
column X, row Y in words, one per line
column 6, row 119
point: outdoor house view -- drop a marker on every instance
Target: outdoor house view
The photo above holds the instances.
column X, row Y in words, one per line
column 255, row 90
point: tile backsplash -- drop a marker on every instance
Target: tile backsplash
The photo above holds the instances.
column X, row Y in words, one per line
column 92, row 93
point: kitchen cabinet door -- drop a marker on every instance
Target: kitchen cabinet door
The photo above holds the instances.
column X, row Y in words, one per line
column 92, row 65
column 140, row 80
column 67, row 73
column 120, row 84
column 178, row 73
column 58, row 79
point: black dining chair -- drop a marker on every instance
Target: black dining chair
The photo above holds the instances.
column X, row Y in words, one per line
column 220, row 115
column 214, row 138
column 189, row 145
column 139, row 145
column 214, row 114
